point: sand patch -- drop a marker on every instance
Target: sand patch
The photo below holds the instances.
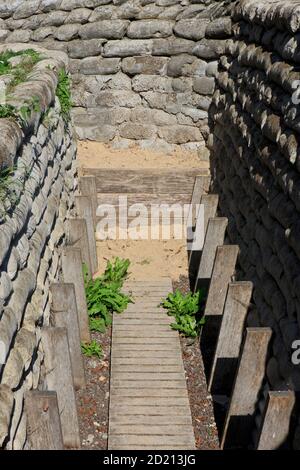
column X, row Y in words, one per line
column 100, row 155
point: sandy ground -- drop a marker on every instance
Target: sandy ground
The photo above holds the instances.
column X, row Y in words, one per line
column 150, row 259
column 100, row 155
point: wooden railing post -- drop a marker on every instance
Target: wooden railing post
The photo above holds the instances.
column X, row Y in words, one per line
column 250, row 373
column 73, row 274
column 209, row 203
column 276, row 420
column 59, row 377
column 214, row 237
column 65, row 315
column 77, row 236
column 85, row 211
column 43, row 421
column 87, row 186
column 229, row 341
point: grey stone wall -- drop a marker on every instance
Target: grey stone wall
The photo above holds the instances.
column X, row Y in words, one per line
column 32, row 234
column 256, row 170
column 142, row 70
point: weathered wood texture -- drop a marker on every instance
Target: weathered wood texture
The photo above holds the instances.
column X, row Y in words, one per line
column 73, row 274
column 147, row 180
column 59, row 377
column 230, row 337
column 87, row 186
column 85, row 211
column 276, row 420
column 223, row 271
column 149, row 406
column 43, row 421
column 214, row 237
column 65, row 315
column 77, row 236
column 250, row 374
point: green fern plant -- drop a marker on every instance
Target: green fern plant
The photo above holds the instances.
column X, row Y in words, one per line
column 104, row 295
column 92, row 349
column 186, row 309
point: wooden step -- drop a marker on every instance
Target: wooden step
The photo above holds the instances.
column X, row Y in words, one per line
column 156, row 181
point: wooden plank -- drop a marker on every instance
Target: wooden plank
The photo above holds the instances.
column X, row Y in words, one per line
column 147, row 180
column 65, row 315
column 152, row 430
column 140, row 376
column 210, row 204
column 129, row 412
column 153, row 401
column 147, row 368
column 87, row 186
column 73, row 274
column 230, row 337
column 128, row 357
column 222, row 273
column 185, row 441
column 148, row 383
column 276, row 420
column 118, row 199
column 85, row 211
column 59, row 377
column 43, row 421
column 214, row 237
column 77, row 236
column 147, row 420
column 145, row 392
column 251, row 370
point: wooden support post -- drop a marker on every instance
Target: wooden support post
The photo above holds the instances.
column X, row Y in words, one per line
column 59, row 377
column 73, row 274
column 85, row 211
column 214, row 237
column 43, row 421
column 230, row 338
column 276, row 420
column 77, row 235
column 87, row 186
column 210, row 204
column 65, row 315
column 251, row 370
column 222, row 273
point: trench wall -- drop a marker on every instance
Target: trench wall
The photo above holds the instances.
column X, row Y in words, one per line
column 33, row 212
column 255, row 163
column 143, row 70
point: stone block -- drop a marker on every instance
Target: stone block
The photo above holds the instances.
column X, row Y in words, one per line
column 148, row 29
column 204, row 85
column 107, row 29
column 173, row 46
column 179, row 134
column 145, row 65
column 99, row 66
column 190, row 29
column 209, row 48
column 127, row 48
column 186, row 65
column 130, row 130
column 219, row 28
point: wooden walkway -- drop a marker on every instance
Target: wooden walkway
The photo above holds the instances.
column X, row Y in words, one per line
column 149, row 405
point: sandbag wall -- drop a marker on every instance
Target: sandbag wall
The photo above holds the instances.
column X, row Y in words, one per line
column 143, row 70
column 255, row 169
column 41, row 152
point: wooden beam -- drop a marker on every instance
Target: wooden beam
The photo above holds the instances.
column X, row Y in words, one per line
column 251, row 370
column 43, row 421
column 230, row 338
column 65, row 315
column 276, row 420
column 77, row 236
column 59, row 377
column 85, row 211
column 222, row 274
column 214, row 237
column 73, row 274
column 87, row 187
column 210, row 204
